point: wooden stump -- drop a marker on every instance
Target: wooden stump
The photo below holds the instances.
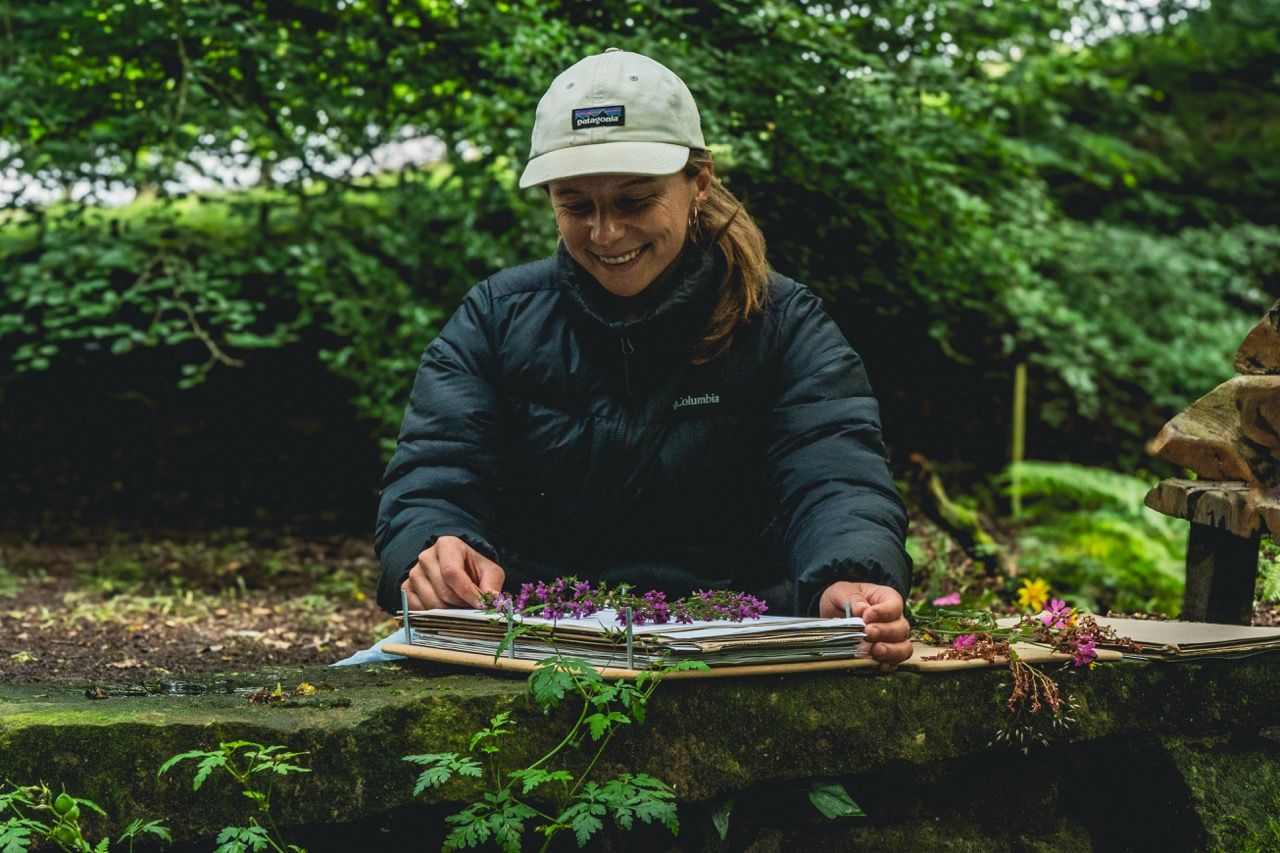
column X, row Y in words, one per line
column 1222, row 569
column 1228, row 521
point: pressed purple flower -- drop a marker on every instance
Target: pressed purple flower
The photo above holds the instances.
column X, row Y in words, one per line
column 950, row 598
column 1086, row 651
column 522, row 600
column 1057, row 614
column 570, row 597
column 965, row 641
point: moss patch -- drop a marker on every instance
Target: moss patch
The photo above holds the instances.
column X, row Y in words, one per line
column 709, row 739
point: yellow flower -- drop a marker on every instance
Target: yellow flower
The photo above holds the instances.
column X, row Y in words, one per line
column 1034, row 594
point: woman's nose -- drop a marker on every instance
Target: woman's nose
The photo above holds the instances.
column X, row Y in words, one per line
column 605, row 228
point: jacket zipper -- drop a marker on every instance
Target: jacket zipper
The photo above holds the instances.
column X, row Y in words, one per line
column 627, row 350
column 620, row 434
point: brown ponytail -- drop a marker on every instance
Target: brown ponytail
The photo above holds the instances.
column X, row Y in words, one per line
column 723, row 222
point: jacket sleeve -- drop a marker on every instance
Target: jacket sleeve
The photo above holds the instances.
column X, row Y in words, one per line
column 838, row 513
column 441, row 479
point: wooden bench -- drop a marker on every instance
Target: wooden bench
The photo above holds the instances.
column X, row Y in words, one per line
column 1228, row 520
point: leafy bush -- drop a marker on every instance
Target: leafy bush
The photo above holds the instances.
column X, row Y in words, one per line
column 1126, row 327
column 950, row 174
column 1089, row 534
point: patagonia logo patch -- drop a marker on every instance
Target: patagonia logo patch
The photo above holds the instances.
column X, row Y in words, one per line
column 599, row 117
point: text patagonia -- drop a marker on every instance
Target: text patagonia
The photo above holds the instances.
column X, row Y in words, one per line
column 701, row 400
column 594, row 116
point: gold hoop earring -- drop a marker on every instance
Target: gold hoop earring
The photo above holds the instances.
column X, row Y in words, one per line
column 695, row 224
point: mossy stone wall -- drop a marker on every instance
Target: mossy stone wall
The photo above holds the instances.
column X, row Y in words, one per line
column 1175, row 755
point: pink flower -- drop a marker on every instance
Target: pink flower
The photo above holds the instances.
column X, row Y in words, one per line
column 949, row 598
column 1057, row 614
column 1085, row 651
column 966, row 641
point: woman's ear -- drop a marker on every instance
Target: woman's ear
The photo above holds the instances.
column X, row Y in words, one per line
column 702, row 182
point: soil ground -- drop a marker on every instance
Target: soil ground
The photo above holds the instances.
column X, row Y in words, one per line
column 114, row 608
column 129, row 607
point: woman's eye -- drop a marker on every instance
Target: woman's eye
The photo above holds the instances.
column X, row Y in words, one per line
column 577, row 209
column 635, row 203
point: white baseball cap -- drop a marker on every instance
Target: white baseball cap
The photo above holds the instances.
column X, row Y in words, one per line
column 613, row 113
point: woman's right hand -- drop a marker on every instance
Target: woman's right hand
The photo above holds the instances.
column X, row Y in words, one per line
column 451, row 574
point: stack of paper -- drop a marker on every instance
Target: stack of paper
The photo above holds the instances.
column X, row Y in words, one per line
column 1192, row 639
column 603, row 641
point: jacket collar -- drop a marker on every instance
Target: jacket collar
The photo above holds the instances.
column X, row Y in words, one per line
column 664, row 333
column 690, row 289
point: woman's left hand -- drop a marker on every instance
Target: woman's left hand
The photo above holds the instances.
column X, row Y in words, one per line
column 880, row 607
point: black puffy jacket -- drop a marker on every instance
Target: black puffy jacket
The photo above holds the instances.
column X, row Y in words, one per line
column 557, row 439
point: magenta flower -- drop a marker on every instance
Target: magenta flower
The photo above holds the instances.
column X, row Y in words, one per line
column 948, row 599
column 1056, row 615
column 1085, row 650
column 966, row 641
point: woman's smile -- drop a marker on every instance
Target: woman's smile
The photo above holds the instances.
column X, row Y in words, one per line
column 626, row 230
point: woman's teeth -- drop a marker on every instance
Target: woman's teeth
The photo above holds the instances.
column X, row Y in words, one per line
column 619, row 259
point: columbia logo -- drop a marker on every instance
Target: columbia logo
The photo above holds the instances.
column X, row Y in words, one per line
column 597, row 116
column 701, row 400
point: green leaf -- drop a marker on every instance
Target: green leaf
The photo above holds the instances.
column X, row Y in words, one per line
column 17, row 795
column 207, row 766
column 240, row 839
column 151, row 827
column 440, row 768
column 584, row 818
column 283, row 769
column 90, row 804
column 548, row 683
column 432, row 777
column 208, row 762
column 15, row 836
column 639, row 796
column 598, row 724
column 720, row 817
column 498, row 726
column 533, row 777
column 834, row 801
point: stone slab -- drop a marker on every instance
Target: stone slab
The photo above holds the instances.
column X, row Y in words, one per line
column 714, row 740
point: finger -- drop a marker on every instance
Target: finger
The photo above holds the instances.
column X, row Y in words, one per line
column 888, row 632
column 411, row 600
column 489, row 575
column 890, row 654
column 887, row 610
column 453, row 582
column 832, row 603
column 858, row 606
column 421, row 595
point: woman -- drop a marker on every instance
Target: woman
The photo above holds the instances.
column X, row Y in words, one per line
column 651, row 405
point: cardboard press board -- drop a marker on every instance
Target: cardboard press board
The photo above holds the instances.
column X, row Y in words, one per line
column 1193, row 639
column 1028, row 652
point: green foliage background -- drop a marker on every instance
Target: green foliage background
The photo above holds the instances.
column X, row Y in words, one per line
column 1087, row 186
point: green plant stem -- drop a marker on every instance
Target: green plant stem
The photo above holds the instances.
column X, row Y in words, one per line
column 586, row 706
column 591, row 765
